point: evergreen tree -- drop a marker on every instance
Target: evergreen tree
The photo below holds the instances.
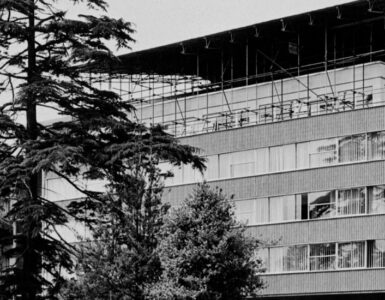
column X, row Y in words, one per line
column 121, row 262
column 40, row 51
column 205, row 253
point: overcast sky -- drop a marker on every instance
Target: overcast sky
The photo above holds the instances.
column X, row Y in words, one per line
column 160, row 22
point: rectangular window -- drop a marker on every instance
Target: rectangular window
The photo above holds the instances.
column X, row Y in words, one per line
column 322, row 153
column 212, row 171
column 288, row 259
column 376, row 145
column 282, row 158
column 376, row 198
column 262, row 161
column 284, row 208
column 351, row 148
column 351, row 202
column 322, row 205
column 323, row 256
column 57, row 189
column 351, row 255
column 303, row 159
column 376, row 254
column 242, row 163
column 252, row 212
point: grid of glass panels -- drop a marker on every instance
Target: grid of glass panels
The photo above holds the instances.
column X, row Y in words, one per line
column 325, row 256
column 312, row 154
column 314, row 205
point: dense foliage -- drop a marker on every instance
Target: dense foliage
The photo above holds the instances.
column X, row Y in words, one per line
column 40, row 49
column 205, row 253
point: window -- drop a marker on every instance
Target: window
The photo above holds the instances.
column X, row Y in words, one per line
column 262, row 161
column 288, row 259
column 351, row 148
column 303, row 158
column 322, row 153
column 252, row 212
column 57, row 189
column 282, row 158
column 322, row 205
column 351, row 202
column 376, row 197
column 351, row 255
column 212, row 171
column 376, row 145
column 376, row 254
column 323, row 256
column 242, row 163
column 285, row 208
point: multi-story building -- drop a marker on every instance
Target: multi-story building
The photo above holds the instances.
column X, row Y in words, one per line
column 290, row 116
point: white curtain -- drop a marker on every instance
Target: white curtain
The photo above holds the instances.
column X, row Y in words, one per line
column 282, row 208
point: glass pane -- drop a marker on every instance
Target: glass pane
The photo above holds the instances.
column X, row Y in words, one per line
column 351, row 202
column 322, row 153
column 322, row 205
column 351, row 148
column 212, row 171
column 276, row 159
column 262, row 161
column 296, row 258
column 376, row 254
column 224, row 165
column 303, row 155
column 282, row 208
column 322, row 257
column 242, row 163
column 376, row 195
column 351, row 255
column 252, row 212
column 282, row 158
column 376, row 145
column 57, row 189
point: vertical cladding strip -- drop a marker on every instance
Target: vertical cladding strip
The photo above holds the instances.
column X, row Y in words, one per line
column 325, row 282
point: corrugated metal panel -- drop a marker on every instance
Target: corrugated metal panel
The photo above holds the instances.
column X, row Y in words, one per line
column 287, row 132
column 286, row 183
column 358, row 228
column 325, row 282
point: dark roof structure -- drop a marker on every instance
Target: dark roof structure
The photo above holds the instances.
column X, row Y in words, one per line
column 345, row 34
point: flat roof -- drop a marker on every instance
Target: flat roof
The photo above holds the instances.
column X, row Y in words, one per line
column 202, row 56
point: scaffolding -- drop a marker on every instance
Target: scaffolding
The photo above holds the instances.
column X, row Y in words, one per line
column 264, row 73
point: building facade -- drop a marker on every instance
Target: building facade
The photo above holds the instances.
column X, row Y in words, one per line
column 290, row 116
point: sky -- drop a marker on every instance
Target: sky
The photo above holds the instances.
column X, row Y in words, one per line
column 160, row 22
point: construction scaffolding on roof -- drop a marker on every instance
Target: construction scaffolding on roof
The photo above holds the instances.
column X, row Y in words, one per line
column 267, row 72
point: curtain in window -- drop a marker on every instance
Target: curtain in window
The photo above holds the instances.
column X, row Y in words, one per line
column 376, row 195
column 322, row 257
column 282, row 208
column 212, row 171
column 322, row 153
column 351, row 148
column 351, row 202
column 376, row 254
column 288, row 259
column 242, row 163
column 282, row 158
column 224, row 165
column 262, row 161
column 303, row 155
column 376, row 145
column 252, row 212
column 351, row 255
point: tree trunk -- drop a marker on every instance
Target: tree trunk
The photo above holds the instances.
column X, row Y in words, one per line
column 30, row 264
